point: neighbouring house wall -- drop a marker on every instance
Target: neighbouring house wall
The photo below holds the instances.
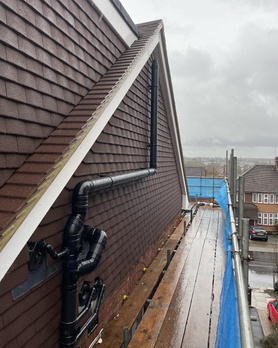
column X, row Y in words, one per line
column 51, row 55
column 137, row 218
column 269, row 208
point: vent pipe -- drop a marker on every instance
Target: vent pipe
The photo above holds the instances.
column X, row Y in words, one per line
column 154, row 102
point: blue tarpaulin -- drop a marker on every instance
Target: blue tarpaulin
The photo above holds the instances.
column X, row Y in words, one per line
column 203, row 187
column 228, row 333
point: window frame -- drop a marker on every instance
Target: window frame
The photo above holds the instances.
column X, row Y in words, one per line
column 254, row 197
column 260, row 198
column 271, row 198
column 265, row 198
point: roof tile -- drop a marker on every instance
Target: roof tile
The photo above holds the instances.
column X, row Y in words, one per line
column 51, row 149
column 42, row 158
column 8, row 36
column 17, row 191
column 6, row 218
column 26, row 179
column 11, row 204
column 33, row 168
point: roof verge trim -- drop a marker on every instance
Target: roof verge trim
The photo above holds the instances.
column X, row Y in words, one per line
column 29, row 217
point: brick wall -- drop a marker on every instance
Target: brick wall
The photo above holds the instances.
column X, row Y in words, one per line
column 265, row 208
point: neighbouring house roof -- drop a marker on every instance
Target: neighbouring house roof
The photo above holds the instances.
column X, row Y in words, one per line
column 195, row 171
column 250, row 211
column 261, row 179
column 30, row 192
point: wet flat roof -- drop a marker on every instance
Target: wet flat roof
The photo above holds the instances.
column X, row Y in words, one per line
column 184, row 311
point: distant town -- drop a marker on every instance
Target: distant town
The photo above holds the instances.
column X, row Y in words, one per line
column 243, row 164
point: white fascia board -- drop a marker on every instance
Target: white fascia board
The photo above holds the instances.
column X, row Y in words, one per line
column 173, row 122
column 34, row 218
column 115, row 20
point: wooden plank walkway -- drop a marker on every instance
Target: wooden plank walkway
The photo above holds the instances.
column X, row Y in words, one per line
column 132, row 309
column 185, row 308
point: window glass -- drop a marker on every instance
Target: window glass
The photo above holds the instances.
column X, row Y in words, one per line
column 265, row 219
column 275, row 305
column 254, row 197
column 270, row 218
column 265, row 198
column 271, row 198
column 276, row 217
column 260, row 198
column 276, row 199
column 259, row 218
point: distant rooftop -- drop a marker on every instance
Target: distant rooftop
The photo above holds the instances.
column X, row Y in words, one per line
column 195, row 171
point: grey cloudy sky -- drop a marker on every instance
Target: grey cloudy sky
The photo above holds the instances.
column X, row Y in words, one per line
column 223, row 57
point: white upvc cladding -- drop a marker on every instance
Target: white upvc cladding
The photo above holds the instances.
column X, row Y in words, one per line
column 115, row 20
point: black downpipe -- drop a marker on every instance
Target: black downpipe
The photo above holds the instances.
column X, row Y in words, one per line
column 154, row 101
column 73, row 268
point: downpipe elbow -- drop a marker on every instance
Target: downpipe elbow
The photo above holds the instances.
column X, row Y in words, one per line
column 97, row 239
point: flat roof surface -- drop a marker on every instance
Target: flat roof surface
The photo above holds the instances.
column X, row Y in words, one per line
column 184, row 311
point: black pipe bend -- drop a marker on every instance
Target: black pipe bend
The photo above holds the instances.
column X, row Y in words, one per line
column 97, row 240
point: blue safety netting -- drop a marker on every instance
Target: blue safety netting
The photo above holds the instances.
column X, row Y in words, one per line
column 228, row 333
column 203, row 187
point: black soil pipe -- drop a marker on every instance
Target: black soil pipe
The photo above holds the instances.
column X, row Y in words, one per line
column 72, row 267
column 154, row 108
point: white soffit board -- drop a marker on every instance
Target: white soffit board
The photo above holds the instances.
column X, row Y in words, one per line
column 115, row 20
column 31, row 222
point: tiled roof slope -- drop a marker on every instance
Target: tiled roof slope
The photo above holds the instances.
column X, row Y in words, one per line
column 24, row 188
column 51, row 54
column 262, row 178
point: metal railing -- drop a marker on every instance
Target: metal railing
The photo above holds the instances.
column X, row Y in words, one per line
column 246, row 334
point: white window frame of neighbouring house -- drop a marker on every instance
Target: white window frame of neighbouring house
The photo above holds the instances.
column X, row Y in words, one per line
column 254, row 197
column 270, row 219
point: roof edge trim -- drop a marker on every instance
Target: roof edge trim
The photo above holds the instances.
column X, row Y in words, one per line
column 126, row 17
column 19, row 232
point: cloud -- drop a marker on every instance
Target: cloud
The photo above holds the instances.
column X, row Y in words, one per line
column 223, row 59
column 234, row 104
